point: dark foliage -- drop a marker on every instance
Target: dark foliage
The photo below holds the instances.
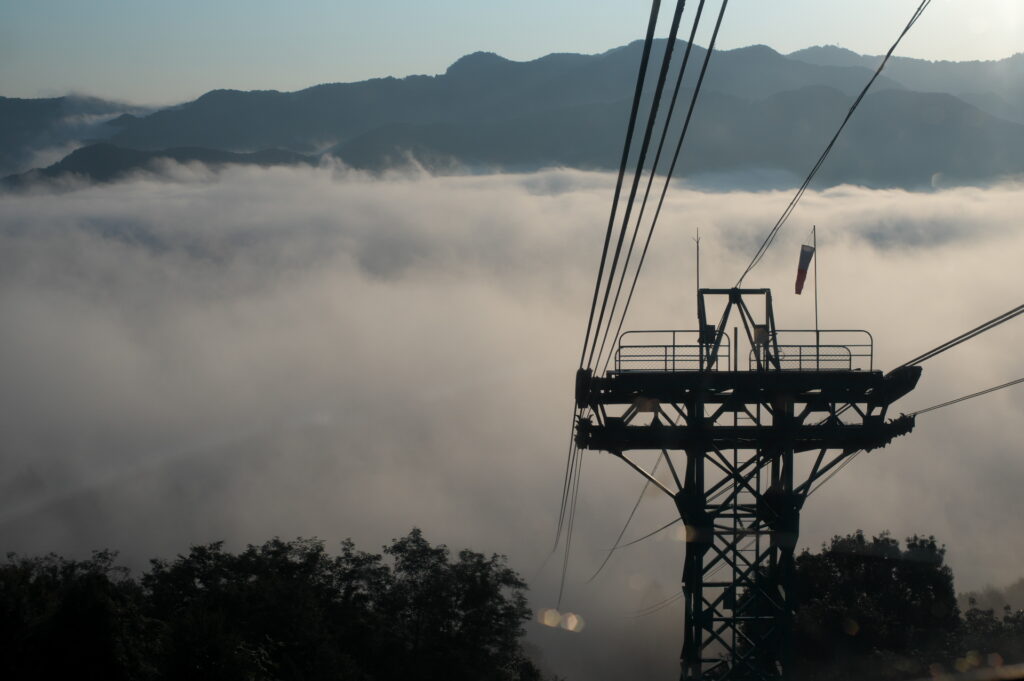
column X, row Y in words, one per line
column 993, row 640
column 282, row 610
column 871, row 608
column 73, row 619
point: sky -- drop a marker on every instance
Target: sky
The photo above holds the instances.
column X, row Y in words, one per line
column 160, row 52
column 192, row 356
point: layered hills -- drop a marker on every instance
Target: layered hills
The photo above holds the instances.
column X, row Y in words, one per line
column 922, row 123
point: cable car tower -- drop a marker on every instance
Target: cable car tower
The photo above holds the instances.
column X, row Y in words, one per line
column 747, row 424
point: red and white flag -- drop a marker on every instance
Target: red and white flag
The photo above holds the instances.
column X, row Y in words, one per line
column 806, row 253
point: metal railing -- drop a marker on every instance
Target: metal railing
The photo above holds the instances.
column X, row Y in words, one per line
column 667, row 350
column 810, row 350
column 673, row 350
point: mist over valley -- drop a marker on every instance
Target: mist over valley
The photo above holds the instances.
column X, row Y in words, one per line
column 234, row 354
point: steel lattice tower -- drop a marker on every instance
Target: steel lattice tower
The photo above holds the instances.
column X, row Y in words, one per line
column 744, row 448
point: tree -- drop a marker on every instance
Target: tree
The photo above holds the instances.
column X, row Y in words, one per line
column 461, row 619
column 869, row 608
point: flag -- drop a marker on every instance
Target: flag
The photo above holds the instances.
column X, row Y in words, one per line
column 806, row 253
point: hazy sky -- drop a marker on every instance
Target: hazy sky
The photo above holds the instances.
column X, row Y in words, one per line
column 157, row 51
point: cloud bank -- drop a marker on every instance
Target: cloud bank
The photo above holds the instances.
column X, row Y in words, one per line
column 317, row 352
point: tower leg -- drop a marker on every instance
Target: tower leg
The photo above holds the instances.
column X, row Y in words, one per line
column 691, row 503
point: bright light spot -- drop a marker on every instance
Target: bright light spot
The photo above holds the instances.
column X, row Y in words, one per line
column 572, row 622
column 637, row 582
column 646, row 404
column 549, row 617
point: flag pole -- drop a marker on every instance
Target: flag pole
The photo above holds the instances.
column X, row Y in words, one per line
column 698, row 258
column 817, row 331
column 700, row 344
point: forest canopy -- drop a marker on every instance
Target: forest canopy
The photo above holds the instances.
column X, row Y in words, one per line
column 282, row 610
column 867, row 608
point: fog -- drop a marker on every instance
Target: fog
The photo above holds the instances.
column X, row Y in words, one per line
column 193, row 356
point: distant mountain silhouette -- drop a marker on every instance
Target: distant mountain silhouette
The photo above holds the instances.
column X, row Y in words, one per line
column 475, row 88
column 897, row 138
column 29, row 126
column 104, row 162
column 759, row 110
column 993, row 86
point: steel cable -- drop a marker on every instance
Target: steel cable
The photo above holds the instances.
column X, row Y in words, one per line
column 630, row 128
column 963, row 398
column 967, row 397
column 613, row 549
column 637, row 175
column 577, row 412
column 671, row 170
column 572, row 457
column 568, row 534
column 651, row 534
column 828, row 149
column 966, row 336
column 660, row 605
column 650, row 180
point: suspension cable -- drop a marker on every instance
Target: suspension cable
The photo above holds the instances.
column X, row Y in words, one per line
column 834, row 471
column 917, row 413
column 613, row 549
column 967, row 397
column 660, row 605
column 966, row 336
column 828, row 149
column 671, row 170
column 570, row 486
column 568, row 534
column 952, row 343
column 570, row 458
column 654, row 167
column 637, row 175
column 651, row 534
column 630, row 128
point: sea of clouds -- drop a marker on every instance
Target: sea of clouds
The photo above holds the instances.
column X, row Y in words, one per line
column 192, row 356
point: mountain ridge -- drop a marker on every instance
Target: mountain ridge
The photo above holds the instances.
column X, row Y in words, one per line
column 759, row 109
column 996, row 86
